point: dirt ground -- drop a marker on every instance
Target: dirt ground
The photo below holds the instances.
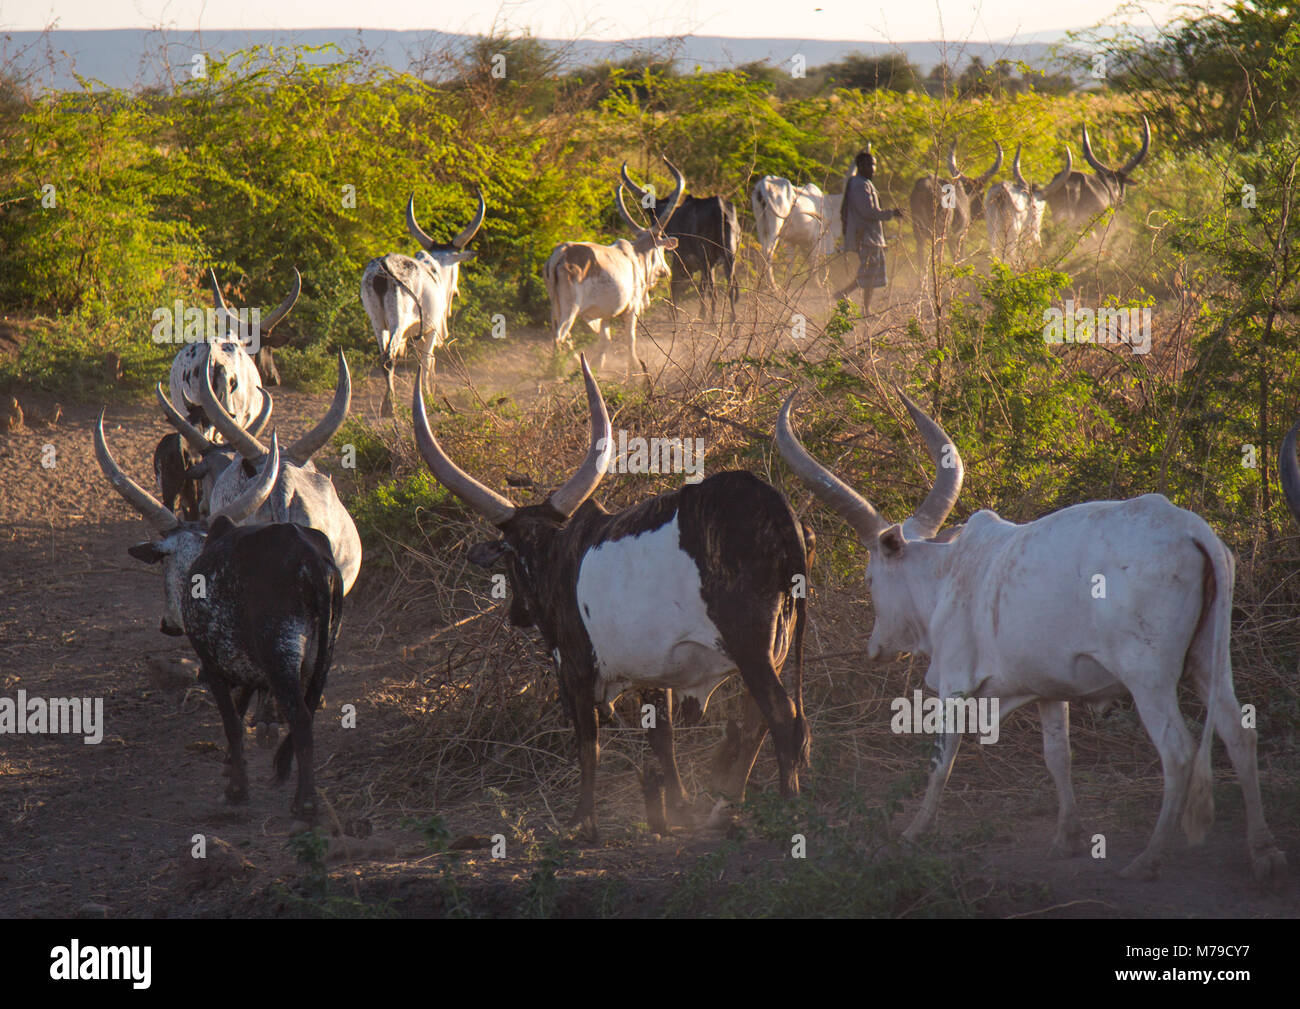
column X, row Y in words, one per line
column 108, row 830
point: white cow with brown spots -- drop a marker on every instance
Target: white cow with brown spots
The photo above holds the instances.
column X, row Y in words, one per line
column 601, row 283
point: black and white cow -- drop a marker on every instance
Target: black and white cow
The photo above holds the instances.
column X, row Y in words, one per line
column 672, row 595
column 186, row 463
column 409, row 297
column 707, row 233
column 234, row 373
column 267, row 617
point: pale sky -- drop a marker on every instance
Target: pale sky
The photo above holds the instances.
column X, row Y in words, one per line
column 868, row 20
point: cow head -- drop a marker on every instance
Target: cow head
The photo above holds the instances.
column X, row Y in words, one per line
column 1039, row 194
column 903, row 558
column 253, row 452
column 1117, row 180
column 529, row 540
column 650, row 242
column 258, row 337
column 178, row 544
column 974, row 187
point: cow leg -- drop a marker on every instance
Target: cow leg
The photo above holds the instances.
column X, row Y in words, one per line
column 288, row 691
column 946, row 746
column 1266, row 858
column 427, row 356
column 386, row 407
column 789, row 732
column 564, row 327
column 660, row 738
column 586, row 728
column 1070, row 838
column 1165, row 726
column 734, row 760
column 631, row 344
column 237, row 787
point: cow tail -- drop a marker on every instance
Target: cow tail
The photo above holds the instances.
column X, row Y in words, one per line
column 730, row 243
column 1212, row 638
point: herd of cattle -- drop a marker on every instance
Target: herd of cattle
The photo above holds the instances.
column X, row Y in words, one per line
column 674, row 595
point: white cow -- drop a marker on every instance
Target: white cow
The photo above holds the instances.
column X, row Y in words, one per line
column 1084, row 605
column 1014, row 211
column 601, row 283
column 799, row 215
column 407, row 296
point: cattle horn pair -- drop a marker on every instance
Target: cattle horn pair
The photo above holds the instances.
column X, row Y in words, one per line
column 194, row 437
column 1056, row 183
column 267, row 324
column 1129, row 165
column 245, row 441
column 982, row 179
column 857, row 510
column 153, row 510
column 662, row 212
column 495, row 507
column 459, row 242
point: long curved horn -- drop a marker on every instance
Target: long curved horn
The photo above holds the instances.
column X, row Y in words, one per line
column 637, row 191
column 622, row 209
column 135, row 495
column 579, row 487
column 218, row 302
column 494, row 507
column 243, row 442
column 471, row 229
column 953, row 170
column 1137, row 158
column 263, row 415
column 414, row 228
column 1091, row 158
column 1015, row 170
column 282, row 309
column 1062, row 177
column 663, row 212
column 1288, row 469
column 311, row 442
column 833, row 492
column 929, row 518
column 997, row 165
column 192, row 435
column 257, row 491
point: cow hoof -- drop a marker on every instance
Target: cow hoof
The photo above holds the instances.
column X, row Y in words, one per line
column 1142, row 868
column 1270, row 867
column 236, row 794
column 305, row 811
column 1070, row 845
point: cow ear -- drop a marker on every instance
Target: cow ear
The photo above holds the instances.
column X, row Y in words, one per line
column 220, row 526
column 488, row 553
column 670, row 243
column 891, row 541
column 147, row 552
column 465, row 255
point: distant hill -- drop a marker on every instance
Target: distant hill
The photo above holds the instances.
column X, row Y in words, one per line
column 126, row 57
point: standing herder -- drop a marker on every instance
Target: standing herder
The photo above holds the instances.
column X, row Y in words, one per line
column 863, row 219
